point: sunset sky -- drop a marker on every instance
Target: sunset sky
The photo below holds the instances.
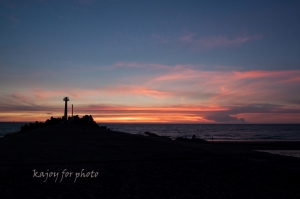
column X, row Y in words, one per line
column 171, row 61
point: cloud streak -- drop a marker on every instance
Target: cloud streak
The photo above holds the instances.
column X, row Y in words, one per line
column 253, row 113
column 179, row 91
column 195, row 43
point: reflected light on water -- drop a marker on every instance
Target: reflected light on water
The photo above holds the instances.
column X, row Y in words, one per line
column 291, row 153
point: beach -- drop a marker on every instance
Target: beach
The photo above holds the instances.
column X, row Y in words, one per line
column 71, row 161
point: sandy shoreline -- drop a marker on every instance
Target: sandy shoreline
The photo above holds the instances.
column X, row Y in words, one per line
column 134, row 166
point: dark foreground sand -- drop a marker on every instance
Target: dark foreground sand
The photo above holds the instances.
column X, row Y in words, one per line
column 133, row 166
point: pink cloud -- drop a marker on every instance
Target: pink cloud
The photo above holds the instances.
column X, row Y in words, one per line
column 184, row 84
column 266, row 74
column 174, row 114
column 231, row 86
column 187, row 38
column 296, row 79
column 177, row 108
column 170, row 93
column 38, row 94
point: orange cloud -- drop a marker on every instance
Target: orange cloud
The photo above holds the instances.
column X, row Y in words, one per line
column 256, row 113
column 232, row 85
column 179, row 93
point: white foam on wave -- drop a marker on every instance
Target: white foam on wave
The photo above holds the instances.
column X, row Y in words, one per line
column 291, row 153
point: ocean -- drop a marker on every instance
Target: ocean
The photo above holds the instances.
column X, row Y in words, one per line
column 240, row 132
column 10, row 127
column 216, row 131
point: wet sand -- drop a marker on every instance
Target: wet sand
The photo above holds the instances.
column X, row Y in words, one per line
column 134, row 166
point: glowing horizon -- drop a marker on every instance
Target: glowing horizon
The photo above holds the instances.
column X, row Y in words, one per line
column 231, row 99
column 192, row 62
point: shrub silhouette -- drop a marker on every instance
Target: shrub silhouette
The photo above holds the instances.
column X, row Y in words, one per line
column 86, row 120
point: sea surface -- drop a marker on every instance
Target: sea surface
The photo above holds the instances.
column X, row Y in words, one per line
column 216, row 131
column 10, row 127
column 239, row 132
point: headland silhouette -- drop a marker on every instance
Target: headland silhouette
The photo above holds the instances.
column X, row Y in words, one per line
column 133, row 166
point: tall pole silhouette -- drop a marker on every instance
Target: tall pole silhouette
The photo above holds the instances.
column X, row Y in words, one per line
column 66, row 99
